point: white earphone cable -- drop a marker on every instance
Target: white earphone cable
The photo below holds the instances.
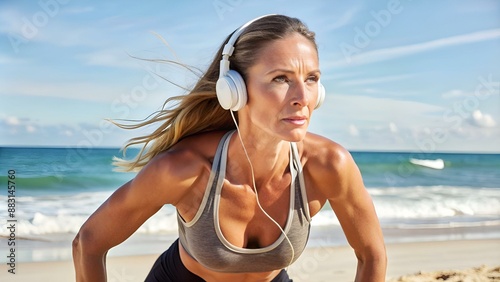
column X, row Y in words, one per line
column 255, row 189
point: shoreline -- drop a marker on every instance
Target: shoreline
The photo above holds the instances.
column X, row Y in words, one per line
column 316, row 264
column 47, row 248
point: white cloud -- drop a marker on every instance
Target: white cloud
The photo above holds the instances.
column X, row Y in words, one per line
column 15, row 125
column 78, row 10
column 30, row 133
column 20, row 27
column 353, row 130
column 377, row 110
column 110, row 58
column 30, row 128
column 374, row 80
column 392, row 127
column 343, row 19
column 482, row 120
column 83, row 91
column 400, row 51
column 453, row 94
column 13, row 121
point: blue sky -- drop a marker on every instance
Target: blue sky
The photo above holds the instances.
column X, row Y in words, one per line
column 405, row 75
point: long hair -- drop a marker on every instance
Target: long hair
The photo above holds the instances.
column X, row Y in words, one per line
column 199, row 110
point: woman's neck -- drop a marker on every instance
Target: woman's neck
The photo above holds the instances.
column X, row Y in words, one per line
column 269, row 158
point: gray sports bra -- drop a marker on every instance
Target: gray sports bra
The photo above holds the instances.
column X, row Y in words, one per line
column 203, row 240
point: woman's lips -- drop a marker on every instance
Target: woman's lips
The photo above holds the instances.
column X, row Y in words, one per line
column 296, row 120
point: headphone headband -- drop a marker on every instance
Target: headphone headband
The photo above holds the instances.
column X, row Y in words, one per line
column 228, row 49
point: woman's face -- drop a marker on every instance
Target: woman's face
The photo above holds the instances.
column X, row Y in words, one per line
column 282, row 87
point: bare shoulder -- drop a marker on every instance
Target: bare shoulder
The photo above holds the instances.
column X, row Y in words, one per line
column 172, row 173
column 328, row 165
column 323, row 153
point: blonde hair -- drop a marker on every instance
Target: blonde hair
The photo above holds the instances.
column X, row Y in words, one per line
column 199, row 110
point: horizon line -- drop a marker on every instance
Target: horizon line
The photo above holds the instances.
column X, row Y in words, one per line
column 350, row 150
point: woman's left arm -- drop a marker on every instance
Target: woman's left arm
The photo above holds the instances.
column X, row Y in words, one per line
column 354, row 208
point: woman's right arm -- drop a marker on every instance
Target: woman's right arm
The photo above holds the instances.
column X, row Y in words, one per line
column 162, row 181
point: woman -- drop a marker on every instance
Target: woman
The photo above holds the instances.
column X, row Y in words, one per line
column 244, row 200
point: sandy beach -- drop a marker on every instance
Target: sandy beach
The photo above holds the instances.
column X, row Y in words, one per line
column 461, row 260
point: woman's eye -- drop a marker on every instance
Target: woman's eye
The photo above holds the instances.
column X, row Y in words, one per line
column 281, row 79
column 313, row 78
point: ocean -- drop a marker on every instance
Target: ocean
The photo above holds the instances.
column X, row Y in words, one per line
column 417, row 196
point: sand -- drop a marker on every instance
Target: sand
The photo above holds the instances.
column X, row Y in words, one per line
column 468, row 260
column 482, row 273
column 404, row 259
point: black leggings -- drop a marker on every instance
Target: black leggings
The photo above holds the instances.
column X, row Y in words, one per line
column 169, row 268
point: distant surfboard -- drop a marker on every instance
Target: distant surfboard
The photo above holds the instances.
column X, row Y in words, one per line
column 435, row 164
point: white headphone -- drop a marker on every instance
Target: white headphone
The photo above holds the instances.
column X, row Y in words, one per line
column 230, row 88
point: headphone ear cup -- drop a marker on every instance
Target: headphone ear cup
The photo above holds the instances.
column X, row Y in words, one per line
column 321, row 95
column 231, row 91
